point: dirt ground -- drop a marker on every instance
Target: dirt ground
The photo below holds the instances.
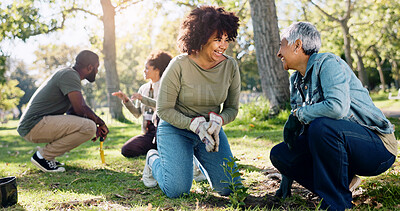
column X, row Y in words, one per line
column 261, row 195
column 266, row 198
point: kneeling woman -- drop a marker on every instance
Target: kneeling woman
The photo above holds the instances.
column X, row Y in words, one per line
column 193, row 89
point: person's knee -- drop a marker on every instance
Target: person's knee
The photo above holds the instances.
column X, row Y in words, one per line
column 129, row 152
column 274, row 151
column 275, row 154
column 276, row 162
column 176, row 191
column 126, row 153
column 282, row 158
column 175, row 185
column 88, row 128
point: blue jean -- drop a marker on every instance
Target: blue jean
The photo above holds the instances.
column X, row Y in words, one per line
column 173, row 170
column 328, row 155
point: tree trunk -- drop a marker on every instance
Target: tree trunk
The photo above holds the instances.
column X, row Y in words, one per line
column 346, row 41
column 395, row 73
column 380, row 69
column 274, row 79
column 110, row 64
column 362, row 75
column 343, row 21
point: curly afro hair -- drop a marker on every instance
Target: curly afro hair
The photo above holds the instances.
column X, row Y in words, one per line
column 201, row 23
column 159, row 60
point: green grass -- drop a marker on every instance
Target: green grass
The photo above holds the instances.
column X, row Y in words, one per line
column 381, row 101
column 89, row 185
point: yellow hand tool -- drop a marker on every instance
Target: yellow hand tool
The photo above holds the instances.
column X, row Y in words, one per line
column 103, row 160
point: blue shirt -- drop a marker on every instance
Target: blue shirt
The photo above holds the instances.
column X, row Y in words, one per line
column 330, row 88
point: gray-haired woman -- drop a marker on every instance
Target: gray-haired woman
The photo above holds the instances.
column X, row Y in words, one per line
column 335, row 131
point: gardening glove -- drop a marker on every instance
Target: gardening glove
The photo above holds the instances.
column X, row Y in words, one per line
column 214, row 126
column 291, row 131
column 199, row 126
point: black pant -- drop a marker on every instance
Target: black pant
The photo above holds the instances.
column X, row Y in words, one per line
column 327, row 157
column 139, row 145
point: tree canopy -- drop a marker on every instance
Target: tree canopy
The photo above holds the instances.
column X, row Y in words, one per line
column 365, row 31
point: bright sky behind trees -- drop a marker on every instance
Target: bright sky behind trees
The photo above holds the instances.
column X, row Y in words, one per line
column 79, row 29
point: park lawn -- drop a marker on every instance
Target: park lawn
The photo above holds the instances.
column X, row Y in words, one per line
column 381, row 101
column 89, row 185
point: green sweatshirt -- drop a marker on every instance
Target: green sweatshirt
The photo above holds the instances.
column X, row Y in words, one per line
column 189, row 91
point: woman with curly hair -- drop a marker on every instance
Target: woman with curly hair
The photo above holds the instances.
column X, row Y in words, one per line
column 145, row 105
column 199, row 93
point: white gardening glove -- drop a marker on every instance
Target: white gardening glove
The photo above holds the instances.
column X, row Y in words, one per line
column 214, row 126
column 199, row 126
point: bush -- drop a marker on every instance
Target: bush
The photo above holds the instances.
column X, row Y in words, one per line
column 255, row 110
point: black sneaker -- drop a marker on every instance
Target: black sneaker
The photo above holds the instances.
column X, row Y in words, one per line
column 46, row 165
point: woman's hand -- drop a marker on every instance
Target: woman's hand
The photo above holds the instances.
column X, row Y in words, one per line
column 121, row 96
column 136, row 96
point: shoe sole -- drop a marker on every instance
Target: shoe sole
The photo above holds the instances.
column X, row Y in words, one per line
column 146, row 182
column 355, row 185
column 199, row 178
column 60, row 169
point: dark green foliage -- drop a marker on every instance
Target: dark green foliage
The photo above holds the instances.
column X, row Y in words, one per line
column 249, row 73
column 373, row 75
column 258, row 109
column 3, row 60
column 26, row 84
column 21, row 19
column 396, row 123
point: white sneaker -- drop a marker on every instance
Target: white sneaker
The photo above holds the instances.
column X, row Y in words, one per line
column 355, row 182
column 197, row 174
column 148, row 179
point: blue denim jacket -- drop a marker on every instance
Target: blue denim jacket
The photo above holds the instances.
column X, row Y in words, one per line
column 329, row 88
